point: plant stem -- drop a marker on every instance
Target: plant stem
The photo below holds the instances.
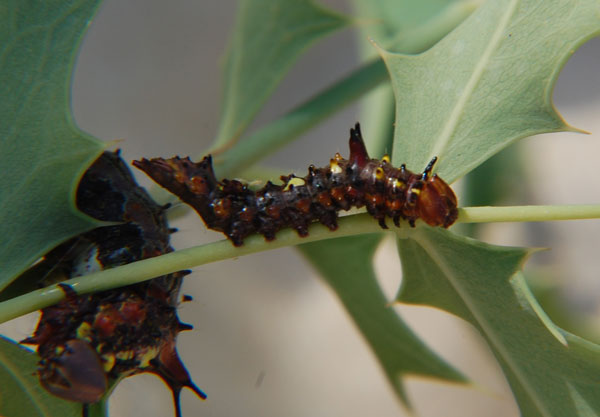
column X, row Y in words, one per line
column 143, row 270
column 199, row 255
column 528, row 213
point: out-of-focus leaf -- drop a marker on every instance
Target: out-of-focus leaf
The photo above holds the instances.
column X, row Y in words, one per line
column 486, row 84
column 399, row 351
column 551, row 372
column 268, row 37
column 21, row 394
column 42, row 153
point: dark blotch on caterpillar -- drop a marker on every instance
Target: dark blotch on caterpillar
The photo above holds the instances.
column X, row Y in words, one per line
column 229, row 206
column 87, row 341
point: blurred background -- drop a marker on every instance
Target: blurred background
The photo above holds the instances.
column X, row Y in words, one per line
column 270, row 338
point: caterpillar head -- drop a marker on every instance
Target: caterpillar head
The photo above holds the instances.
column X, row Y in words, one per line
column 75, row 374
column 437, row 203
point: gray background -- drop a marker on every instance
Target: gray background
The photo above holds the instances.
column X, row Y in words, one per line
column 274, row 343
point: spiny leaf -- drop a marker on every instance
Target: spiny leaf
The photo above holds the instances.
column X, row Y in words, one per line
column 21, row 394
column 551, row 372
column 398, row 349
column 268, row 37
column 393, row 22
column 42, row 153
column 487, row 84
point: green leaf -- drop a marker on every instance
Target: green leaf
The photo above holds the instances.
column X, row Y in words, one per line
column 268, row 37
column 42, row 153
column 551, row 372
column 394, row 23
column 486, row 84
column 21, row 393
column 399, row 351
column 394, row 19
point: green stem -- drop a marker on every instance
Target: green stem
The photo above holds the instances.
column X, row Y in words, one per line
column 528, row 213
column 285, row 129
column 182, row 259
column 199, row 255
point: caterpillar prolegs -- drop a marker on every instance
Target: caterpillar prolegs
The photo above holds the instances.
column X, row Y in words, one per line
column 231, row 207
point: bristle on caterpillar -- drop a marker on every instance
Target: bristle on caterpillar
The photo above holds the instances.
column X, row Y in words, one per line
column 229, row 206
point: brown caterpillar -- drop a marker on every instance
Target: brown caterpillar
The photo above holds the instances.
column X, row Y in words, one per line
column 229, row 206
column 87, row 341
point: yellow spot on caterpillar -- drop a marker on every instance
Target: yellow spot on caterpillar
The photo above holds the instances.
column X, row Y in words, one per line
column 125, row 355
column 338, row 157
column 334, row 167
column 84, row 331
column 386, row 159
column 379, row 173
column 150, row 354
column 415, row 191
column 294, row 182
column 397, row 184
column 108, row 361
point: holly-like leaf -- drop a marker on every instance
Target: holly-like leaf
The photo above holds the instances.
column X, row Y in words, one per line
column 269, row 36
column 551, row 372
column 21, row 394
column 395, row 21
column 486, row 84
column 399, row 351
column 42, row 153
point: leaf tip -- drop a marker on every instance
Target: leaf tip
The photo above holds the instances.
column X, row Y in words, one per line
column 573, row 129
column 382, row 52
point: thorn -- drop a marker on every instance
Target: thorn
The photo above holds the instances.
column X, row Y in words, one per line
column 184, row 327
column 70, row 293
column 358, row 151
column 429, row 168
column 197, row 390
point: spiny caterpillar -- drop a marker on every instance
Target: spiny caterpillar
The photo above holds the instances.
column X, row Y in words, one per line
column 229, row 206
column 87, row 341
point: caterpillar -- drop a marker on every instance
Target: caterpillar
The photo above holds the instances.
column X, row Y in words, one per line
column 85, row 342
column 231, row 207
